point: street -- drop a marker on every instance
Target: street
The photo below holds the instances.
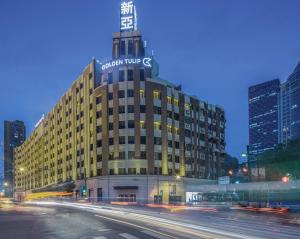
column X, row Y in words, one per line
column 84, row 221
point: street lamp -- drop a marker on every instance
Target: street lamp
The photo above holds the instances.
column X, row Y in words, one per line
column 5, row 184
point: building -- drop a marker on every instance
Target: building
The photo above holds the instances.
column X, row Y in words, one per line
column 263, row 116
column 1, row 175
column 290, row 107
column 14, row 136
column 121, row 131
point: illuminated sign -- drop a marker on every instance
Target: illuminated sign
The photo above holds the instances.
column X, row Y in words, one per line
column 147, row 62
column 128, row 19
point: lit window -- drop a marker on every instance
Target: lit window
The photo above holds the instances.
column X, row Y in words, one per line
column 176, row 130
column 157, row 125
column 169, row 99
column 187, row 106
column 176, row 102
column 142, row 124
column 142, row 93
column 169, row 128
column 156, row 94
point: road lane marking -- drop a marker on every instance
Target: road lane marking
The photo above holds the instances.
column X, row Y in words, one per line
column 128, row 236
column 104, row 230
column 138, row 226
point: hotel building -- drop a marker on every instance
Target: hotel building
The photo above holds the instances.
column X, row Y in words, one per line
column 121, row 131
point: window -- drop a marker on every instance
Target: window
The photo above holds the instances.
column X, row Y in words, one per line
column 130, row 47
column 132, row 171
column 121, row 171
column 130, row 109
column 142, row 124
column 157, row 126
column 121, row 76
column 170, row 143
column 176, row 130
column 111, row 141
column 176, row 102
column 143, row 140
column 99, row 129
column 169, row 128
column 110, row 126
column 169, row 100
column 156, row 94
column 142, row 75
column 157, row 141
column 110, row 96
column 157, row 110
column 131, row 154
column 99, row 158
column 130, row 139
column 99, row 173
column 122, row 109
column 112, row 171
column 98, row 100
column 176, row 116
column 130, row 75
column 122, row 140
column 122, row 156
column 110, row 78
column 142, row 94
column 130, row 93
column 176, row 159
column 143, row 155
column 123, row 48
column 98, row 114
column 99, row 143
column 157, row 156
column 143, row 171
column 110, row 111
column 170, row 159
column 143, row 109
column 121, row 94
column 122, row 125
column 130, row 124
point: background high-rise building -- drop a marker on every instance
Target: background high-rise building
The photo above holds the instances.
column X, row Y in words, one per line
column 263, row 116
column 290, row 107
column 14, row 136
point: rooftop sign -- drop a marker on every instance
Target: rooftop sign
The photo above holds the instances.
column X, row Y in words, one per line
column 128, row 18
column 146, row 62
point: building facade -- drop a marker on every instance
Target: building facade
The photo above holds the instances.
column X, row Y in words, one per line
column 263, row 102
column 14, row 136
column 290, row 107
column 120, row 122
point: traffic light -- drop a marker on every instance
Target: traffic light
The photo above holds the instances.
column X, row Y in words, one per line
column 83, row 191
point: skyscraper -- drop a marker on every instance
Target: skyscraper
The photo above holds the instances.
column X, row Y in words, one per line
column 14, row 136
column 290, row 107
column 263, row 116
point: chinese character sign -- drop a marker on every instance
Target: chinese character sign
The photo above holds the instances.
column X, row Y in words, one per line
column 128, row 16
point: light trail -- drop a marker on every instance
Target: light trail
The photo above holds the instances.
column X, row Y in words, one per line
column 195, row 230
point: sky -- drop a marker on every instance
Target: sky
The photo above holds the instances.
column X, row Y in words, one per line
column 215, row 48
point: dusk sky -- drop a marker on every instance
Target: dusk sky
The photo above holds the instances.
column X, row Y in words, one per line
column 214, row 48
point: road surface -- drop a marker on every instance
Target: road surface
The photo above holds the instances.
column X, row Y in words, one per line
column 81, row 221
